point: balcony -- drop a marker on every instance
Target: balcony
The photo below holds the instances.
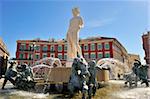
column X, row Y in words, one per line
column 26, row 50
column 51, row 51
column 24, row 59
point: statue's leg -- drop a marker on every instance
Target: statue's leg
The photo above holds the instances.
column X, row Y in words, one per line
column 70, row 48
column 79, row 50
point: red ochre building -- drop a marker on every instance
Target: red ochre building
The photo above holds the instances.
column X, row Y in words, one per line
column 146, row 47
column 92, row 48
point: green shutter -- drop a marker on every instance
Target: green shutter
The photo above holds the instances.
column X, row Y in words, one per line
column 37, row 48
column 25, row 47
column 45, row 48
column 93, row 56
column 59, row 48
column 65, row 56
column 92, row 47
column 107, row 46
column 30, row 56
column 60, row 56
column 37, row 56
column 100, row 55
column 86, row 47
column 107, row 55
column 52, row 48
column 21, row 56
column 65, row 47
column 44, row 55
column 99, row 46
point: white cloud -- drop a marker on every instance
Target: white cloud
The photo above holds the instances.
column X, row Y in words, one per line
column 99, row 22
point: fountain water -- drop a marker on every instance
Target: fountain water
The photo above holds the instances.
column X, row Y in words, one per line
column 43, row 67
column 114, row 66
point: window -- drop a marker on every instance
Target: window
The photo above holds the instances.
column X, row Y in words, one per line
column 52, row 55
column 37, row 56
column 59, row 48
column 86, row 55
column 21, row 56
column 52, row 48
column 86, row 47
column 99, row 46
column 44, row 55
column 107, row 55
column 60, row 56
column 100, row 55
column 22, row 46
column 37, row 47
column 45, row 48
column 30, row 56
column 93, row 56
column 30, row 47
column 65, row 56
column 107, row 46
column 92, row 47
column 65, row 47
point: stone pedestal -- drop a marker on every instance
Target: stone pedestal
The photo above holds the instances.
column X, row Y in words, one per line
column 102, row 75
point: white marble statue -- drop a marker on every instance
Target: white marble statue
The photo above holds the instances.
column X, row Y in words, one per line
column 73, row 47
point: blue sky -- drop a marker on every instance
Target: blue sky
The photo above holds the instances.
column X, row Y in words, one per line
column 29, row 19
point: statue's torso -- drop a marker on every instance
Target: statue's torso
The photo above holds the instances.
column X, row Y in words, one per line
column 75, row 23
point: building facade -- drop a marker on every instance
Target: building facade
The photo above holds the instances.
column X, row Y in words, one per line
column 146, row 47
column 4, row 54
column 29, row 51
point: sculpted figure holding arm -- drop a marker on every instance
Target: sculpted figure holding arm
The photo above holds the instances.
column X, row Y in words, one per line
column 73, row 47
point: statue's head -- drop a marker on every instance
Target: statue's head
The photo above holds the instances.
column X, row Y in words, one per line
column 136, row 64
column 76, row 60
column 75, row 11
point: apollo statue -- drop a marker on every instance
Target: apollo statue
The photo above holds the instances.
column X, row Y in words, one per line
column 73, row 47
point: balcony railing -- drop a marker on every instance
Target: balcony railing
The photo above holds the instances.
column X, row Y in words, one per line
column 24, row 59
column 52, row 51
column 26, row 50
